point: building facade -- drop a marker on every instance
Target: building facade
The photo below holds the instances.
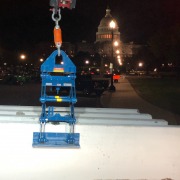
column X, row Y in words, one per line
column 108, row 42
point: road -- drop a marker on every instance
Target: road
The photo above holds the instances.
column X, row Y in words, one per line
column 29, row 94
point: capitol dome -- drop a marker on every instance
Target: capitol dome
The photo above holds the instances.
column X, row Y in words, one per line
column 107, row 19
column 105, row 31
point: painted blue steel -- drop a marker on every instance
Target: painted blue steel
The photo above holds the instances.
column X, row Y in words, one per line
column 56, row 140
column 57, row 75
column 58, row 118
column 49, row 64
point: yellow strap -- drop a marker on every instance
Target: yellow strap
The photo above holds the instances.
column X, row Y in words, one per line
column 58, row 99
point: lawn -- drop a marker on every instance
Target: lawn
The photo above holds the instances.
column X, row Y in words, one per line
column 162, row 92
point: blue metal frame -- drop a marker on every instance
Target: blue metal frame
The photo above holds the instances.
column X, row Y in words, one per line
column 57, row 76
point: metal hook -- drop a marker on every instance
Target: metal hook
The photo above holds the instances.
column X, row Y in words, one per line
column 56, row 19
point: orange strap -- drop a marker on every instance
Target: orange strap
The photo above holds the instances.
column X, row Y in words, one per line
column 57, row 36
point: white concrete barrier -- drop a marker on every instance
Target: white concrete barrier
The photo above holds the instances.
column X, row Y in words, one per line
column 108, row 152
column 96, row 116
column 77, row 109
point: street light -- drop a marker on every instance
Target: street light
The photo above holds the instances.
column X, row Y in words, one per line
column 22, row 56
column 85, row 67
column 117, row 52
column 22, row 59
column 116, row 43
column 112, row 25
column 119, row 60
column 140, row 64
column 87, row 62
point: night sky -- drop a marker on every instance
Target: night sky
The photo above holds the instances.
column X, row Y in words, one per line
column 23, row 24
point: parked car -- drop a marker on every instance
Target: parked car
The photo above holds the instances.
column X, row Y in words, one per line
column 116, row 77
column 87, row 85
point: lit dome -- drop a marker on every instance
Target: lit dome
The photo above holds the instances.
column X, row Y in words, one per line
column 107, row 19
column 105, row 31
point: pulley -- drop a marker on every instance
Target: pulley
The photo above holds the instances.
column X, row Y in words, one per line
column 62, row 4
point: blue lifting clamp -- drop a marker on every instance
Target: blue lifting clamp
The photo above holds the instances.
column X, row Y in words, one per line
column 59, row 76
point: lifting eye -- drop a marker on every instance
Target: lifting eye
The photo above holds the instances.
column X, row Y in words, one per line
column 59, row 60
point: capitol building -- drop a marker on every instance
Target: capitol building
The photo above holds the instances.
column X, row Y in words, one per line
column 107, row 31
column 108, row 42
